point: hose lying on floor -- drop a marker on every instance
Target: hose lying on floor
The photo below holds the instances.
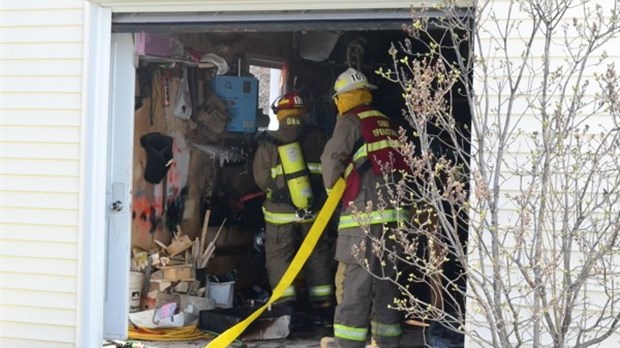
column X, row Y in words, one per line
column 185, row 333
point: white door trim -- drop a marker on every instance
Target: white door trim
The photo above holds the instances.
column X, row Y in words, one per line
column 118, row 186
column 94, row 138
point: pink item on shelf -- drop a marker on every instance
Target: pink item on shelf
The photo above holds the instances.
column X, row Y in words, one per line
column 154, row 45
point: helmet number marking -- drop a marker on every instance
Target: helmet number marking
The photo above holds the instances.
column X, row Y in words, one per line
column 357, row 77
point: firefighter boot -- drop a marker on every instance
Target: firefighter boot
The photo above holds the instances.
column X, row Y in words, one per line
column 323, row 317
column 328, row 342
column 372, row 344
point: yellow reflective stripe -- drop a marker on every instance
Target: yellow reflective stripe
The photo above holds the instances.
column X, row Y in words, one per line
column 348, row 170
column 361, row 152
column 382, row 144
column 385, row 330
column 283, row 218
column 304, row 251
column 321, row 291
column 276, row 171
column 315, row 168
column 364, row 149
column 370, row 113
column 289, row 292
column 358, row 155
column 350, row 333
column 375, row 217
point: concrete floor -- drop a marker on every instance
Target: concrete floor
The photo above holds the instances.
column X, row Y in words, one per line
column 293, row 343
column 304, row 336
column 412, row 338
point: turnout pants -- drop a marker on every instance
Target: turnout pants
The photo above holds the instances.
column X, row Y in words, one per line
column 365, row 300
column 281, row 244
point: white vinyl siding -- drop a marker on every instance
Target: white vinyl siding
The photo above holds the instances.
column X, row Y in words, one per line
column 41, row 52
column 41, row 86
column 256, row 5
column 516, row 156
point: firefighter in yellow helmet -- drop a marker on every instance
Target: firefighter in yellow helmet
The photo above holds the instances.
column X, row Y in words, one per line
column 363, row 141
column 287, row 167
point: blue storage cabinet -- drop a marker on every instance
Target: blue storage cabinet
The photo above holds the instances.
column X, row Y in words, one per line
column 241, row 97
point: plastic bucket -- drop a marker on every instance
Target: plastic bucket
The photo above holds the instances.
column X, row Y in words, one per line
column 136, row 279
column 221, row 293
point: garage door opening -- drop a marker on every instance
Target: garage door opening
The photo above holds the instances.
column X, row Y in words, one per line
column 206, row 192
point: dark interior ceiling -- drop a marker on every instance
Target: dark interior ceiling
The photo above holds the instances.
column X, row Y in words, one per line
column 288, row 35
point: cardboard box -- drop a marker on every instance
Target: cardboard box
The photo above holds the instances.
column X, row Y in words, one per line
column 155, row 45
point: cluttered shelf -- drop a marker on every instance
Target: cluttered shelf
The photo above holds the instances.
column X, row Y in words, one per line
column 172, row 61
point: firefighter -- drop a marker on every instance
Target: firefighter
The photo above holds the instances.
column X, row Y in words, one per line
column 363, row 141
column 287, row 167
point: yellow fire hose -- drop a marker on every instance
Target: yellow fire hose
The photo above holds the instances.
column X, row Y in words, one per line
column 228, row 336
column 173, row 334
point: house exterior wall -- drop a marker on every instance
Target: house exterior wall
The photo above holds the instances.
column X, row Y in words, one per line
column 527, row 121
column 41, row 49
column 255, row 5
column 41, row 58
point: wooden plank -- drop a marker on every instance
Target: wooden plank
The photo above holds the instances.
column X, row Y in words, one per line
column 160, row 244
column 203, row 234
column 206, row 255
column 179, row 245
column 181, row 272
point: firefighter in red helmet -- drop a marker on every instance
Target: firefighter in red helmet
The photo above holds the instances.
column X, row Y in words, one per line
column 287, row 167
column 363, row 143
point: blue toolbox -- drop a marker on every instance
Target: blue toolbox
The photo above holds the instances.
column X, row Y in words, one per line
column 240, row 94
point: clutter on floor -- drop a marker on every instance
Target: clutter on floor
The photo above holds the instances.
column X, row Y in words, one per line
column 173, row 298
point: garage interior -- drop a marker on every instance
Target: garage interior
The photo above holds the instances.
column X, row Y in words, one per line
column 206, row 193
